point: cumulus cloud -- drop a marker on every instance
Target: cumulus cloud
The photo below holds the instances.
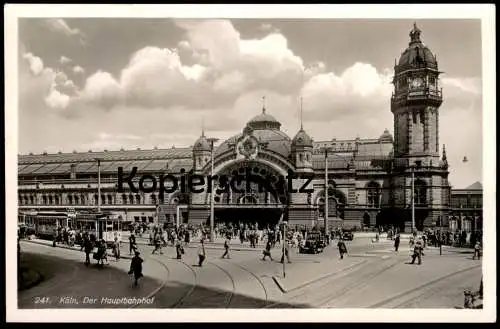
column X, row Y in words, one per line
column 59, row 25
column 64, row 60
column 78, row 69
column 36, row 64
column 51, row 86
column 57, row 100
column 102, row 89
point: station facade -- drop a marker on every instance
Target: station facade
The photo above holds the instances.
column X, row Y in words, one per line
column 370, row 181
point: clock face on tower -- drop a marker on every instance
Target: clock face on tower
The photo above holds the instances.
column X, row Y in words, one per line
column 416, row 83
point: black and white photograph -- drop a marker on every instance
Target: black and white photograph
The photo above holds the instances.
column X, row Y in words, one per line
column 269, row 161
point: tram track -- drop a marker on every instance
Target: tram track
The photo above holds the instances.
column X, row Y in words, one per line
column 356, row 284
column 401, row 299
column 318, row 285
column 259, row 280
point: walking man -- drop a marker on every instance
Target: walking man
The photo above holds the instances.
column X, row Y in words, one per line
column 201, row 253
column 87, row 245
column 342, row 248
column 267, row 252
column 417, row 253
column 397, row 240
column 477, row 251
column 131, row 240
column 157, row 244
column 287, row 251
column 226, row 247
column 178, row 248
column 136, row 267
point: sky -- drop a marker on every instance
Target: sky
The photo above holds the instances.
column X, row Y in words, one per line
column 112, row 83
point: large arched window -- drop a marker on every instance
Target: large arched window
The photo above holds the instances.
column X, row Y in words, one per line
column 110, row 199
column 56, row 199
column 70, row 199
column 103, row 199
column 131, row 199
column 124, row 198
column 153, row 198
column 96, row 199
column 77, row 199
column 373, row 194
column 50, row 199
column 32, row 199
column 420, row 192
column 138, row 198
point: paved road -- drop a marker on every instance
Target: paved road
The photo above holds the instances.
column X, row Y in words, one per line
column 372, row 275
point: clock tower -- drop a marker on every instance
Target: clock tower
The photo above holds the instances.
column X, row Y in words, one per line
column 415, row 105
column 415, row 102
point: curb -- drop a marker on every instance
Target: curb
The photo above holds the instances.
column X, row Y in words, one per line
column 279, row 284
column 68, row 247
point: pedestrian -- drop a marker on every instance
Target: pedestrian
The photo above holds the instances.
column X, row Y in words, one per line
column 131, row 240
column 226, row 247
column 397, row 240
column 201, row 253
column 286, row 253
column 136, row 267
column 342, row 248
column 178, row 248
column 477, row 251
column 267, row 251
column 116, row 248
column 88, row 246
column 157, row 244
column 417, row 253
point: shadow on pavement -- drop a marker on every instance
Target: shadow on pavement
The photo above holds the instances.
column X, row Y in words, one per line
column 70, row 284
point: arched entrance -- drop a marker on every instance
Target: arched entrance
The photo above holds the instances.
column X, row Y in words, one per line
column 254, row 194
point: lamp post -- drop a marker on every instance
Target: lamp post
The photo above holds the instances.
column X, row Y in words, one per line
column 326, row 150
column 412, row 199
column 98, row 185
column 212, row 141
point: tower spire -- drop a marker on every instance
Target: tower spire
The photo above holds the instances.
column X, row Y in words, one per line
column 203, row 126
column 415, row 34
column 444, row 152
column 263, row 104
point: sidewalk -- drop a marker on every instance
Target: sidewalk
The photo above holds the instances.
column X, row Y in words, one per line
column 69, row 284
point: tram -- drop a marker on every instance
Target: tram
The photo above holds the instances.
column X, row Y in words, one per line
column 48, row 223
column 26, row 223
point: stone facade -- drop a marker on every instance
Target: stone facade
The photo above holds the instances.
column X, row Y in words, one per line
column 369, row 180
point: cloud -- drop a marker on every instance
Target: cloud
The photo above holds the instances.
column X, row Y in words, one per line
column 78, row 70
column 45, row 85
column 36, row 63
column 266, row 27
column 64, row 60
column 60, row 26
column 57, row 100
column 102, row 89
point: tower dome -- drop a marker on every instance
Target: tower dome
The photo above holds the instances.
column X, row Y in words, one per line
column 386, row 136
column 202, row 144
column 417, row 54
column 302, row 139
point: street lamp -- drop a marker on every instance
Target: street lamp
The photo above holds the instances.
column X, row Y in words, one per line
column 326, row 149
column 412, row 199
column 98, row 185
column 212, row 141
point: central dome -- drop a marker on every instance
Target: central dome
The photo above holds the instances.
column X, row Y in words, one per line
column 264, row 121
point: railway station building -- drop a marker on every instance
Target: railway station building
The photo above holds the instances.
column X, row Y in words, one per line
column 371, row 181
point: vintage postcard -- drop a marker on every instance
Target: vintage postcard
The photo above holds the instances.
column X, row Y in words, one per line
column 250, row 163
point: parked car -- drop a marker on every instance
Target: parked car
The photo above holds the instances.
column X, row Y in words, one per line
column 347, row 235
column 313, row 244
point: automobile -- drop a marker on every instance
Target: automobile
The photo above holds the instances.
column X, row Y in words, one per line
column 313, row 244
column 347, row 235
